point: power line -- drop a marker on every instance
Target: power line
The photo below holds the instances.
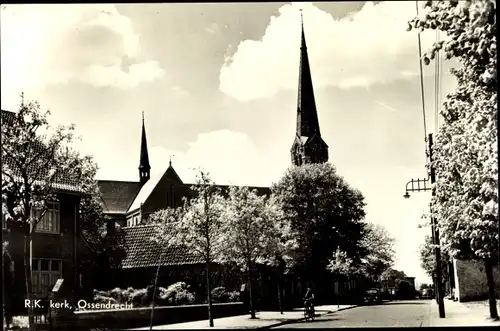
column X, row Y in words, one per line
column 421, row 81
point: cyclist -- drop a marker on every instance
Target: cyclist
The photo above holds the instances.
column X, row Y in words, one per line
column 308, row 301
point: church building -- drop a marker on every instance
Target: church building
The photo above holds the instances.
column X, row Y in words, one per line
column 128, row 204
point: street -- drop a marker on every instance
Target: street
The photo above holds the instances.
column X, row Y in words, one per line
column 410, row 313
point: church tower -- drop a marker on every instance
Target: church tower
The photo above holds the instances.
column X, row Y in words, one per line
column 308, row 146
column 144, row 167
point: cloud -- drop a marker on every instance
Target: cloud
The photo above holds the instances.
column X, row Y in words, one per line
column 52, row 44
column 371, row 46
column 230, row 157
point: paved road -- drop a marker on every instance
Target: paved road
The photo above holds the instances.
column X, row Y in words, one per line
column 413, row 313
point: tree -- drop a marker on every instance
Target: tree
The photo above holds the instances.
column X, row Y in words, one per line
column 36, row 160
column 201, row 227
column 249, row 231
column 8, row 281
column 466, row 146
column 166, row 235
column 428, row 259
column 379, row 246
column 324, row 213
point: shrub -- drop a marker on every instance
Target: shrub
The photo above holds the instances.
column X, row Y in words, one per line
column 234, row 296
column 219, row 294
column 104, row 299
column 177, row 294
column 139, row 297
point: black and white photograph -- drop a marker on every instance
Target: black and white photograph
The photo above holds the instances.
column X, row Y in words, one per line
column 260, row 165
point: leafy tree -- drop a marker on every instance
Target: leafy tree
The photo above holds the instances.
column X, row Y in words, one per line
column 36, row 160
column 324, row 213
column 342, row 265
column 379, row 246
column 200, row 228
column 466, row 146
column 249, row 231
column 166, row 234
column 428, row 258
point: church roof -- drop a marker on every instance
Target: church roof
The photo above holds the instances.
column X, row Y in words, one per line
column 63, row 181
column 145, row 191
column 141, row 251
column 117, row 195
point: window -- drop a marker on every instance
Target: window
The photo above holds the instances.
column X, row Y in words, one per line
column 45, row 273
column 129, row 222
column 51, row 219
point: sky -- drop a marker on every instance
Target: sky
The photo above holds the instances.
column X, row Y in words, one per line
column 218, row 87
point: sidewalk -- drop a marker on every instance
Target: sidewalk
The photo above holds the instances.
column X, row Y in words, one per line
column 461, row 314
column 265, row 319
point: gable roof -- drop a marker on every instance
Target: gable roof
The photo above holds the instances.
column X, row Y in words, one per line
column 117, row 195
column 141, row 252
column 62, row 181
column 150, row 185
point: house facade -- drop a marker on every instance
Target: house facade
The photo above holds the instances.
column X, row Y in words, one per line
column 55, row 242
column 468, row 280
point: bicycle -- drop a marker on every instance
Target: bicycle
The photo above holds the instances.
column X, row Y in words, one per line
column 308, row 311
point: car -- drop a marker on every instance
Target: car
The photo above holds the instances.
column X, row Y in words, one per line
column 427, row 293
column 372, row 296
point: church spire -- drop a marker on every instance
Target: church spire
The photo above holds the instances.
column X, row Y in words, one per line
column 308, row 146
column 307, row 116
column 144, row 167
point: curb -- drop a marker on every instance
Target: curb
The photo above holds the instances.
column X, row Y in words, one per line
column 303, row 319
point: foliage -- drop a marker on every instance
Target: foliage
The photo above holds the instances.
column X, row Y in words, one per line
column 324, row 213
column 465, row 151
column 197, row 225
column 379, row 246
column 201, row 227
column 466, row 148
column 393, row 274
column 219, row 294
column 342, row 264
column 249, row 227
column 177, row 294
column 249, row 230
column 428, row 258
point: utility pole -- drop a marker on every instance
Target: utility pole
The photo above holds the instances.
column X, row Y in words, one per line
column 421, row 185
column 435, row 231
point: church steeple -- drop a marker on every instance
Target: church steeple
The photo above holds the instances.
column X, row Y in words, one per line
column 308, row 146
column 144, row 167
column 307, row 116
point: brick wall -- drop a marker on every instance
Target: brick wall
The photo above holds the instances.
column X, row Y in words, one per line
column 470, row 280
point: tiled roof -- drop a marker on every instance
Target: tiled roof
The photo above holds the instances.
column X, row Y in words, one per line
column 117, row 195
column 141, row 251
column 63, row 181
